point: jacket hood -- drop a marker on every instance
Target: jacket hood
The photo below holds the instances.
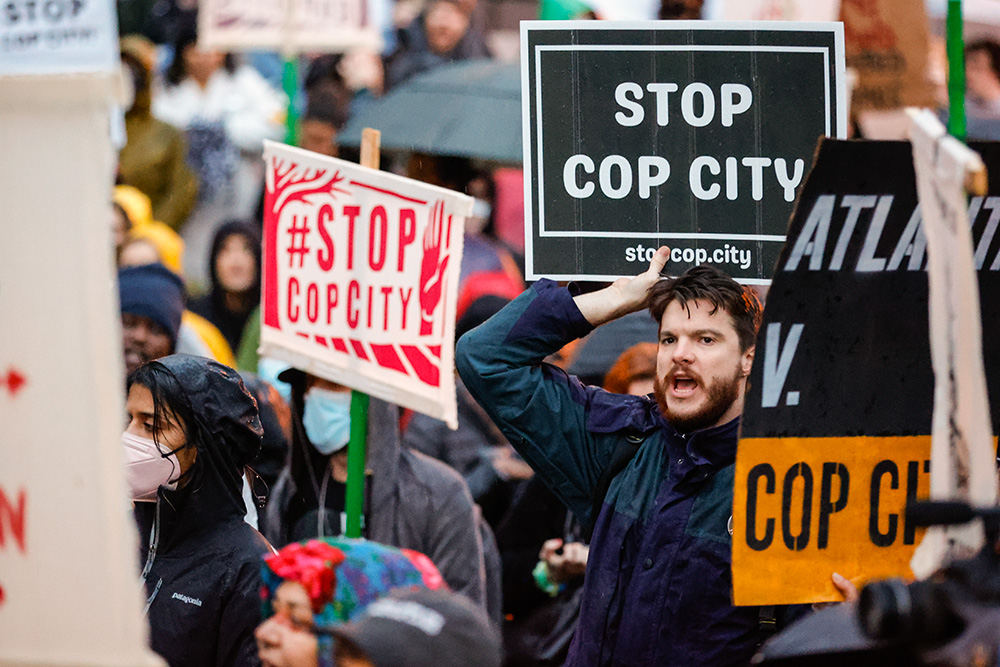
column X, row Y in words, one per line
column 382, row 452
column 227, row 434
column 139, row 53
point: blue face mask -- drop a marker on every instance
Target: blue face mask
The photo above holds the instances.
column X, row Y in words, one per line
column 326, row 416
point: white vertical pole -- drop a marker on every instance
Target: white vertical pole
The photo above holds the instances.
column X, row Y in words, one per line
column 68, row 560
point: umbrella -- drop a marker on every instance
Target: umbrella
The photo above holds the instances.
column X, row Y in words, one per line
column 467, row 109
column 600, row 349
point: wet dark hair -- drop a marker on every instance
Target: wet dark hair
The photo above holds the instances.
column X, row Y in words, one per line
column 323, row 70
column 137, row 70
column 992, row 50
column 679, row 9
column 170, row 402
column 710, row 284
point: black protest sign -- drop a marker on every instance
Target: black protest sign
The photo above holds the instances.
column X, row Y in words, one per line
column 836, row 426
column 692, row 134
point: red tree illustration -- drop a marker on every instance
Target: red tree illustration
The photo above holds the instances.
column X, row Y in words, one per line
column 288, row 182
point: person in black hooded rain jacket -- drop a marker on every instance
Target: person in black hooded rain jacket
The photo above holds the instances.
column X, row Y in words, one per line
column 193, row 427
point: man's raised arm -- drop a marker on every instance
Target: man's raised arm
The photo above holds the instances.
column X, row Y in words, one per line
column 541, row 410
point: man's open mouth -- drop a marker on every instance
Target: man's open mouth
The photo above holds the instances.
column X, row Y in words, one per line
column 682, row 386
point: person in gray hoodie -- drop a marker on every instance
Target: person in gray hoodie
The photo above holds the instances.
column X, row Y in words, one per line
column 411, row 500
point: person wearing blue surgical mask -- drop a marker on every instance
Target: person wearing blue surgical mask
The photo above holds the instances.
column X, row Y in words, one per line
column 327, row 418
column 326, row 422
column 410, row 500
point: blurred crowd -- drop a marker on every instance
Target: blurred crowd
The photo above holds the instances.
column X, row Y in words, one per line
column 187, row 226
column 196, row 119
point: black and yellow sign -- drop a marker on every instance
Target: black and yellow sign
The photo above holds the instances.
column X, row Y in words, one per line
column 809, row 507
column 837, row 420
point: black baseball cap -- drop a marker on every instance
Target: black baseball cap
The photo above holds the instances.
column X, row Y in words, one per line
column 423, row 628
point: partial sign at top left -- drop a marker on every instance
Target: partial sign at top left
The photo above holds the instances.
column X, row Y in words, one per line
column 295, row 25
column 39, row 37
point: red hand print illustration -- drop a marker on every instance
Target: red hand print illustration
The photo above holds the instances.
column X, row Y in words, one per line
column 433, row 267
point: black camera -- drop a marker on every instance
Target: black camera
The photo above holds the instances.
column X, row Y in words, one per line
column 920, row 612
column 952, row 618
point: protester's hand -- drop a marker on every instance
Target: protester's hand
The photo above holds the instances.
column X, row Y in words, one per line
column 846, row 588
column 509, row 466
column 625, row 295
column 565, row 561
column 634, row 290
column 433, row 267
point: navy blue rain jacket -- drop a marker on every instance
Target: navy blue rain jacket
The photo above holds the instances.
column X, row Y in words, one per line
column 658, row 581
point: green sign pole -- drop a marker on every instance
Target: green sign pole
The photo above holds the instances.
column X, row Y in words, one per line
column 290, row 84
column 355, row 494
column 956, row 71
column 354, row 502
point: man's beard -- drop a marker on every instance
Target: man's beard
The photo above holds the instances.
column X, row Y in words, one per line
column 721, row 394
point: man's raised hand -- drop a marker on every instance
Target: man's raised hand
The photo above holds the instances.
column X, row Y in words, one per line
column 625, row 295
column 634, row 290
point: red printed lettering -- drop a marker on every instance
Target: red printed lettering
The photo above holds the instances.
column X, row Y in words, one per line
column 312, row 303
column 404, row 299
column 325, row 255
column 352, row 213
column 293, row 293
column 370, row 290
column 378, row 227
column 407, row 232
column 331, row 301
column 12, row 519
column 353, row 292
column 386, row 291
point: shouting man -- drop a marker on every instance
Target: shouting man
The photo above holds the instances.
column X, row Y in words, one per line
column 658, row 580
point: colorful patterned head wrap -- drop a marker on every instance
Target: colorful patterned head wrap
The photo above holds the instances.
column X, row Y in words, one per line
column 343, row 576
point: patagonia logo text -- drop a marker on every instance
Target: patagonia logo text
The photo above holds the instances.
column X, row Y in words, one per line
column 185, row 598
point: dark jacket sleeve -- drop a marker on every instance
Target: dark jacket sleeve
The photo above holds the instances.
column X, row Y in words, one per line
column 542, row 410
column 240, row 617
